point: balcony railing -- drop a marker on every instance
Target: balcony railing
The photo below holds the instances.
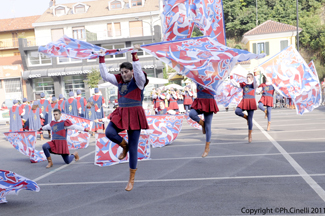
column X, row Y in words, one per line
column 8, row 43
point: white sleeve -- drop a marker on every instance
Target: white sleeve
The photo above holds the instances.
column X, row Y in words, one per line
column 234, row 83
column 259, row 90
column 190, row 94
column 107, row 76
column 154, row 96
column 106, row 120
column 175, row 96
column 168, row 97
column 23, row 112
column 140, row 78
column 46, row 127
column 75, row 127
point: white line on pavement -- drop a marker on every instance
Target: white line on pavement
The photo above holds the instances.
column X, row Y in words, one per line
column 213, row 143
column 61, row 167
column 178, row 180
column 310, row 181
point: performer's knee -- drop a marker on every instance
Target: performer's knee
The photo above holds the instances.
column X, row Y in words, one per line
column 238, row 111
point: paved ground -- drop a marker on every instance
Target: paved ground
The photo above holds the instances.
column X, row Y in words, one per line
column 283, row 168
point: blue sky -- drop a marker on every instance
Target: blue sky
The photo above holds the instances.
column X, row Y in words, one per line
column 22, row 8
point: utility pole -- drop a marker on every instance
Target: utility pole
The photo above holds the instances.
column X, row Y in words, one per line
column 297, row 25
column 256, row 15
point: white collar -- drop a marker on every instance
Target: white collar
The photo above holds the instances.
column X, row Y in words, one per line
column 268, row 83
column 58, row 121
column 250, row 82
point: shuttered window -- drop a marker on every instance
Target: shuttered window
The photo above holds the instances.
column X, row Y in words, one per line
column 136, row 29
column 117, row 27
column 283, row 44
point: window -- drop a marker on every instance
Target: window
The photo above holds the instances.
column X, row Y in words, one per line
column 136, row 3
column 57, row 34
column 17, row 53
column 45, row 85
column 283, row 44
column 64, row 60
column 14, row 39
column 80, row 9
column 116, row 5
column 74, row 83
column 141, row 52
column 12, row 85
column 36, row 58
column 136, row 28
column 115, row 46
column 261, row 48
column 114, row 27
column 79, row 32
column 60, row 11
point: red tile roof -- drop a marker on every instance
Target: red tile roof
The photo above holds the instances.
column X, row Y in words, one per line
column 271, row 26
column 20, row 23
column 10, row 60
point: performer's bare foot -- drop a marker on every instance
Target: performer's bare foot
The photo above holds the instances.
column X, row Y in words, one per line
column 76, row 156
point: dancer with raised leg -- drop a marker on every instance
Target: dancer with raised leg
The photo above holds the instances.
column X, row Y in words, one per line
column 204, row 104
column 129, row 115
column 248, row 102
column 267, row 99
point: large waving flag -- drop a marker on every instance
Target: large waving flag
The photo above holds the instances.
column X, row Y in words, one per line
column 202, row 59
column 107, row 152
column 227, row 93
column 78, row 139
column 12, row 183
column 193, row 123
column 24, row 142
column 293, row 78
column 77, row 49
column 164, row 129
column 311, row 96
column 180, row 16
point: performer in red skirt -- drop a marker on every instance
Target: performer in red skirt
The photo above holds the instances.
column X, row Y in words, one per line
column 188, row 98
column 248, row 102
column 58, row 144
column 157, row 98
column 129, row 115
column 172, row 100
column 204, row 104
column 267, row 99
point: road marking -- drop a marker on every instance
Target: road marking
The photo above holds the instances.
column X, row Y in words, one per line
column 177, row 180
column 212, row 143
column 61, row 167
column 310, row 181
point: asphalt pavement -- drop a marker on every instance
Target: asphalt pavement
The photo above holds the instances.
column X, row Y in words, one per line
column 281, row 172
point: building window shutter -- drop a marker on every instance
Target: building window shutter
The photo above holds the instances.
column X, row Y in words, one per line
column 136, row 28
column 283, row 44
column 267, row 48
column 254, row 48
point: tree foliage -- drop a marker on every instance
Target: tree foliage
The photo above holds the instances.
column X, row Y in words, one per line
column 93, row 78
column 240, row 17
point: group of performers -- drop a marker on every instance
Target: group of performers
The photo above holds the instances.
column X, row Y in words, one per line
column 129, row 114
column 171, row 100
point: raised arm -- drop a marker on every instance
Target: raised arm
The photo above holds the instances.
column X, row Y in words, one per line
column 75, row 127
column 46, row 127
column 104, row 73
column 234, row 83
column 140, row 78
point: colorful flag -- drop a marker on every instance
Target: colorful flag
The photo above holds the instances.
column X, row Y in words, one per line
column 77, row 49
column 107, row 152
column 293, row 78
column 24, row 142
column 78, row 139
column 180, row 16
column 228, row 94
column 193, row 123
column 164, row 129
column 202, row 59
column 12, row 183
column 311, row 96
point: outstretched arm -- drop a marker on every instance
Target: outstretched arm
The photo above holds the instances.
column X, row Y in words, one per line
column 140, row 78
column 103, row 71
column 234, row 83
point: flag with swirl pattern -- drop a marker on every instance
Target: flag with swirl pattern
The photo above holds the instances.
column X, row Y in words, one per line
column 311, row 96
column 293, row 78
column 77, row 49
column 78, row 139
column 202, row 59
column 228, row 94
column 164, row 129
column 107, row 152
column 180, row 16
column 193, row 123
column 24, row 142
column 12, row 183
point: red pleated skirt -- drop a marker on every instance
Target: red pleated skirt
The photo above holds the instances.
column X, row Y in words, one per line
column 129, row 118
column 267, row 101
column 247, row 104
column 173, row 105
column 205, row 105
column 59, row 146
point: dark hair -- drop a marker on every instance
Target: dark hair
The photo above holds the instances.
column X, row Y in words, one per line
column 126, row 65
column 57, row 110
column 264, row 79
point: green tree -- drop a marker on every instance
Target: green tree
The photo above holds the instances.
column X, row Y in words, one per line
column 93, row 78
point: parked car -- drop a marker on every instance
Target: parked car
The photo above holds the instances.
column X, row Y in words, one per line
column 112, row 99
